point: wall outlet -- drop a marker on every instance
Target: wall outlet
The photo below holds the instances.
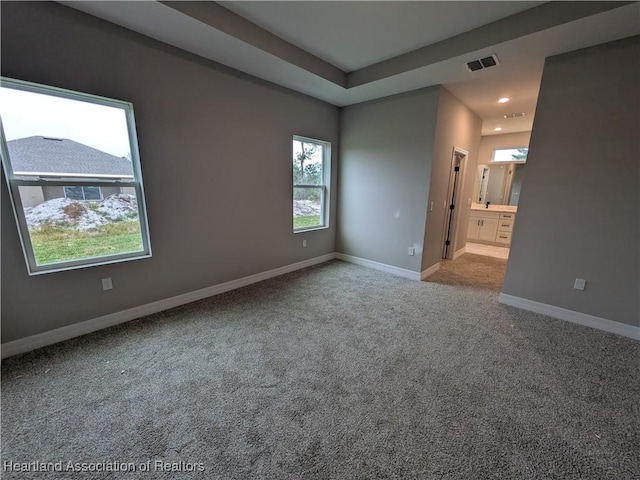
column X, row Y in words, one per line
column 411, row 251
column 431, row 207
column 107, row 284
column 580, row 284
column 304, row 243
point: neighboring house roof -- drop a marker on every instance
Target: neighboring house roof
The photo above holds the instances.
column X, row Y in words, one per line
column 45, row 155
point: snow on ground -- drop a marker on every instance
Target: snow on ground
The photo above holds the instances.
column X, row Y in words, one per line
column 305, row 208
column 88, row 215
column 82, row 215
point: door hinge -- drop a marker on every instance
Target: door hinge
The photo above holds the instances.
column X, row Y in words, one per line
column 451, row 207
column 447, row 243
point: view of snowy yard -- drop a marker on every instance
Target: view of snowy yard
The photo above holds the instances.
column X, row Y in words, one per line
column 82, row 215
column 306, row 213
column 63, row 229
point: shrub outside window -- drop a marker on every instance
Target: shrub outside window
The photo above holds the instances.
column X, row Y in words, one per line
column 311, row 174
column 72, row 167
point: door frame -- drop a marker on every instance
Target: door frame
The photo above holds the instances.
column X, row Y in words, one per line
column 451, row 225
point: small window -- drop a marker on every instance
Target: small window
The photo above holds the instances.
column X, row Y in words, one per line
column 83, row 193
column 510, row 155
column 73, row 171
column 311, row 163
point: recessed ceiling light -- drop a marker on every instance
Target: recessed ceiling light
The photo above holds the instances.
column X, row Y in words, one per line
column 503, row 100
column 497, row 129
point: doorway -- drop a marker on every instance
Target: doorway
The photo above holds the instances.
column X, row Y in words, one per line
column 456, row 181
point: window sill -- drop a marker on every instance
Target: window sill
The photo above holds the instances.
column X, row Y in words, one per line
column 310, row 229
column 66, row 268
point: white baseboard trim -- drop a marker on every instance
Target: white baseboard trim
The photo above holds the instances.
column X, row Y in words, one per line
column 402, row 272
column 82, row 328
column 460, row 252
column 430, row 271
column 572, row 316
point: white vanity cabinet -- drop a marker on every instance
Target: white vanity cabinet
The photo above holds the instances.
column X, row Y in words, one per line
column 483, row 225
column 492, row 227
column 505, row 228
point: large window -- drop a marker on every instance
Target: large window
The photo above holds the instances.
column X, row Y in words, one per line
column 72, row 167
column 311, row 161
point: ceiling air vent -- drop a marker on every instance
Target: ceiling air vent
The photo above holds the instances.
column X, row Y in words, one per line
column 514, row 115
column 485, row 62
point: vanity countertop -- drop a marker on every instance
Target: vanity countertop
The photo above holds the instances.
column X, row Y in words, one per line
column 495, row 208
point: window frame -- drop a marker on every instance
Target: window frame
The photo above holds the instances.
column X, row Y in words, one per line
column 324, row 187
column 15, row 181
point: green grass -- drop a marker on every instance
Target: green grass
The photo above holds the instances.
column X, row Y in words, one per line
column 53, row 244
column 304, row 222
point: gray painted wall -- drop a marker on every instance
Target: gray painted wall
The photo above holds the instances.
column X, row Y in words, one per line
column 518, row 180
column 215, row 148
column 386, row 150
column 457, row 127
column 395, row 159
column 579, row 211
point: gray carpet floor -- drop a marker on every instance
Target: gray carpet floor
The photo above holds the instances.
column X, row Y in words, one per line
column 471, row 270
column 332, row 372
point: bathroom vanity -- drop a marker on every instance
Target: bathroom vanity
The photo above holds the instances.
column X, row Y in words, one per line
column 497, row 184
column 493, row 225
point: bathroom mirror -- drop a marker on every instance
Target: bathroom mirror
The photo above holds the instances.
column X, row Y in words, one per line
column 500, row 181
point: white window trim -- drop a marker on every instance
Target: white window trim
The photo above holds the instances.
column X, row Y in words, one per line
column 326, row 185
column 14, row 182
column 40, row 175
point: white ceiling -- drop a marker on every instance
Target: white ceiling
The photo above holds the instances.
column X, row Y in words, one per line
column 348, row 52
column 356, row 34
